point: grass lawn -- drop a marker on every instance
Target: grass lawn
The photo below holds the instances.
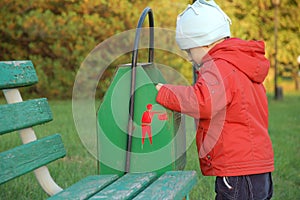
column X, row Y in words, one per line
column 284, row 128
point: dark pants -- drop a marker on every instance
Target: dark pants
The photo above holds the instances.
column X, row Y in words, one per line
column 250, row 187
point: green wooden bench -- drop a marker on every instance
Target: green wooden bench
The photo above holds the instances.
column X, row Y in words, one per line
column 34, row 154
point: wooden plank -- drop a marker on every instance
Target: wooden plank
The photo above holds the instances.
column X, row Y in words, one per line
column 171, row 185
column 126, row 187
column 24, row 114
column 16, row 74
column 25, row 158
column 85, row 188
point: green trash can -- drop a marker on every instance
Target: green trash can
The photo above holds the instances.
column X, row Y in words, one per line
column 135, row 134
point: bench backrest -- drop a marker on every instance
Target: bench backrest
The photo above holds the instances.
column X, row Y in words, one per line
column 21, row 116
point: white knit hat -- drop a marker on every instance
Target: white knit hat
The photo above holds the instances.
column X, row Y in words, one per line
column 201, row 24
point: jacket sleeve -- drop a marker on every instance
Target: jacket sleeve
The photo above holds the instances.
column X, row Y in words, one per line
column 201, row 101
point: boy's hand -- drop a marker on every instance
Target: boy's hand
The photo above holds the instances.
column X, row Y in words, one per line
column 158, row 86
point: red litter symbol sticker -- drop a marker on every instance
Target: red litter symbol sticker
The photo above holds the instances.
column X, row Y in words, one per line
column 147, row 121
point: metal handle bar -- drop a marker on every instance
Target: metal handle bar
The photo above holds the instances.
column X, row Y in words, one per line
column 147, row 11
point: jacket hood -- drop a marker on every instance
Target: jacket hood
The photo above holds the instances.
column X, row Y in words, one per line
column 246, row 56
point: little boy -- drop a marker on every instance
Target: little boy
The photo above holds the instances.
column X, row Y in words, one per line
column 228, row 102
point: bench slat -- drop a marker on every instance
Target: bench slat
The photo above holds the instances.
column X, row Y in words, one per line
column 25, row 158
column 126, row 187
column 85, row 188
column 17, row 74
column 171, row 185
column 24, row 114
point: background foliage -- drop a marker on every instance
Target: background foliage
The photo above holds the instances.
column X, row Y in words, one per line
column 57, row 35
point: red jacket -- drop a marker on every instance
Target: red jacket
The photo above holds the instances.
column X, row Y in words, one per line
column 230, row 106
